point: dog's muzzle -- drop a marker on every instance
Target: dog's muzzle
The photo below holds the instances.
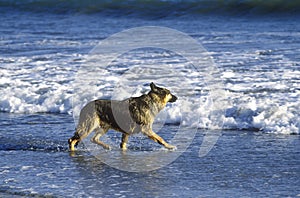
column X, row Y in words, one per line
column 173, row 99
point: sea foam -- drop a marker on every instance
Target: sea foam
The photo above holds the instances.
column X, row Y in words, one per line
column 36, row 90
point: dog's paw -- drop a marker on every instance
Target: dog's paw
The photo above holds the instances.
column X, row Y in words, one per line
column 175, row 148
column 124, row 149
column 107, row 147
column 171, row 147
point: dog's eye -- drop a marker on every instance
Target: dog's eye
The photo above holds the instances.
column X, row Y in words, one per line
column 167, row 92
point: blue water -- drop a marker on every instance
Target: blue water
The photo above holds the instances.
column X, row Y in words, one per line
column 44, row 47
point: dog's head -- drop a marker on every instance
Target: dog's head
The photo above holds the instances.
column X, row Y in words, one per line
column 163, row 93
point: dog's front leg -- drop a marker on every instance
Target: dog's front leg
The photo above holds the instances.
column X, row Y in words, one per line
column 152, row 135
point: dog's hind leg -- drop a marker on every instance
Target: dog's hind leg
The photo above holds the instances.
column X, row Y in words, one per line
column 88, row 121
column 123, row 144
column 73, row 141
column 96, row 138
column 82, row 132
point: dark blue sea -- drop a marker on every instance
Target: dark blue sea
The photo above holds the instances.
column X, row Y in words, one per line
column 234, row 65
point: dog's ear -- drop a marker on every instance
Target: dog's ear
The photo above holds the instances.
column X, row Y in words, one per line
column 153, row 87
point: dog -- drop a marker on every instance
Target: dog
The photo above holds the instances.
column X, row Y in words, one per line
column 129, row 116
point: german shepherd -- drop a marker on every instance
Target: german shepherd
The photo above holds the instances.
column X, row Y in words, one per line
column 129, row 116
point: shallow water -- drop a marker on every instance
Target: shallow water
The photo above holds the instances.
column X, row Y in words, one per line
column 35, row 161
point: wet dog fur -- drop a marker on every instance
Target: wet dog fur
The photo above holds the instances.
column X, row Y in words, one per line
column 129, row 116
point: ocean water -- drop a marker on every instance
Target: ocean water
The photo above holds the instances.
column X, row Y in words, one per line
column 247, row 101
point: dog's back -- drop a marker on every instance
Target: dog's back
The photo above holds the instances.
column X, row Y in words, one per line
column 127, row 115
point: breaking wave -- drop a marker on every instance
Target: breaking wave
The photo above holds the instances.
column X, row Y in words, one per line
column 44, row 89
